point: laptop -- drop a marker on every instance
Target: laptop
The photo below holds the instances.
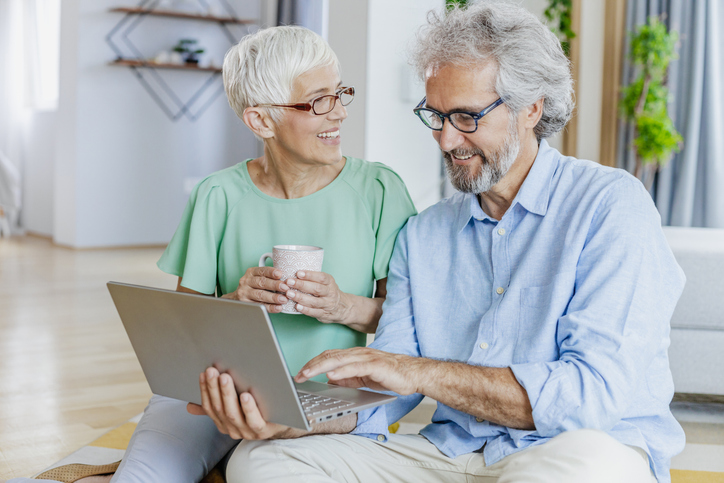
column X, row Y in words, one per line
column 176, row 336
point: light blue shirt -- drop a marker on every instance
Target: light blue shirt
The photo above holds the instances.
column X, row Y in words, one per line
column 573, row 289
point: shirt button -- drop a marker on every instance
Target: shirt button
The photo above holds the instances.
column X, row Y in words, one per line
column 483, row 345
column 480, row 420
column 380, row 437
column 501, row 231
column 500, row 290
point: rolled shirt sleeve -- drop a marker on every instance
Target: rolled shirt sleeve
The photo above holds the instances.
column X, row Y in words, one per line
column 606, row 348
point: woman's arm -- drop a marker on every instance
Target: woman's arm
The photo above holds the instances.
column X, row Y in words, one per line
column 317, row 295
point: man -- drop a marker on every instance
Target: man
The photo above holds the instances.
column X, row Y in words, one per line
column 534, row 306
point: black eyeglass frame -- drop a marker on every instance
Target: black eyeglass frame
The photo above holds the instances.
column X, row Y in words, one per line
column 309, row 106
column 476, row 116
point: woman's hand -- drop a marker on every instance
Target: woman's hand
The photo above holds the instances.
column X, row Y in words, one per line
column 260, row 284
column 317, row 295
column 235, row 415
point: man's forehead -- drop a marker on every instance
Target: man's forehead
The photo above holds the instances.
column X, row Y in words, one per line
column 460, row 86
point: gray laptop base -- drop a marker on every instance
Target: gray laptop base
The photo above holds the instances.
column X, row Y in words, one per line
column 176, row 336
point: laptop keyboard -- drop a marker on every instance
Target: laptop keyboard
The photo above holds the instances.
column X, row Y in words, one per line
column 314, row 404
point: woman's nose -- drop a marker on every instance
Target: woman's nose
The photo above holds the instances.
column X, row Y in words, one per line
column 339, row 111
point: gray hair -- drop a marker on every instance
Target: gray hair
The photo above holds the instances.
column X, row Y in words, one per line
column 530, row 61
column 262, row 67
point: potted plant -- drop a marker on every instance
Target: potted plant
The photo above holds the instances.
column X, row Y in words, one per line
column 644, row 101
column 186, row 47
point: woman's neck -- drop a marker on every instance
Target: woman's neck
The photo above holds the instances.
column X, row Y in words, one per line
column 282, row 178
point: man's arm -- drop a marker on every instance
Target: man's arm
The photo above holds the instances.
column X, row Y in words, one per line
column 489, row 393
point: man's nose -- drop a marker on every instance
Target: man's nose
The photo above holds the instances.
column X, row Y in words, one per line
column 449, row 138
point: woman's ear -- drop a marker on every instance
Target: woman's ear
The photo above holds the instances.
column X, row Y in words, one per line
column 259, row 122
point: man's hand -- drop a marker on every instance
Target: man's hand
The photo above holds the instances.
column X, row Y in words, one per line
column 237, row 416
column 365, row 367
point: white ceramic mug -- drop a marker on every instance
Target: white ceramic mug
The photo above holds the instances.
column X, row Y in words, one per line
column 290, row 259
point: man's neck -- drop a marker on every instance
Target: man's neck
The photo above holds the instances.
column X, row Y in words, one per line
column 497, row 200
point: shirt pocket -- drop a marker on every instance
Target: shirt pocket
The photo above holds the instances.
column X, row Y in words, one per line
column 540, row 308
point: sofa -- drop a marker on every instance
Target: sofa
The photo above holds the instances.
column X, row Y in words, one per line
column 697, row 327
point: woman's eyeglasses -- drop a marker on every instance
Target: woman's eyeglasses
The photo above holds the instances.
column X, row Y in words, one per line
column 323, row 104
column 466, row 122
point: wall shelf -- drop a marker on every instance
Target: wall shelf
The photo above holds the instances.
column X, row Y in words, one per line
column 155, row 65
column 147, row 71
column 179, row 14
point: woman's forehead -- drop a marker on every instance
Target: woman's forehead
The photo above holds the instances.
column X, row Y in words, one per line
column 317, row 81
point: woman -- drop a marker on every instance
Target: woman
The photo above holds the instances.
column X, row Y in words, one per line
column 284, row 83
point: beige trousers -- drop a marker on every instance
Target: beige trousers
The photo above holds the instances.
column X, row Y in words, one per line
column 583, row 456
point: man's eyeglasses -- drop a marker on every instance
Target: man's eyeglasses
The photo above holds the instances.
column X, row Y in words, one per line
column 321, row 105
column 466, row 122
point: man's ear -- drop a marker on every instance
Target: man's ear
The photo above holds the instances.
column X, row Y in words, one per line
column 259, row 122
column 533, row 113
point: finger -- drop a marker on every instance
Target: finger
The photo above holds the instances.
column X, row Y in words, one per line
column 232, row 409
column 268, row 272
column 217, row 405
column 254, row 420
column 206, row 403
column 307, row 300
column 266, row 297
column 328, row 361
column 306, row 286
column 311, row 312
column 195, row 409
column 268, row 284
column 318, row 277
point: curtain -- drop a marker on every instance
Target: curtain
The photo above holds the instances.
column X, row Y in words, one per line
column 688, row 190
column 11, row 111
column 311, row 14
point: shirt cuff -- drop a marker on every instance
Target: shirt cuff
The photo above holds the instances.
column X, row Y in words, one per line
column 372, row 423
column 550, row 394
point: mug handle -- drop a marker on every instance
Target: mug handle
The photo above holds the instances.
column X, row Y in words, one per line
column 262, row 260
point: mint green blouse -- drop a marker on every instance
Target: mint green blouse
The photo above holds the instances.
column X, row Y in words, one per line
column 229, row 223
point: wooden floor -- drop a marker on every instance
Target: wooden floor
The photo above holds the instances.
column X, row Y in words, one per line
column 67, row 371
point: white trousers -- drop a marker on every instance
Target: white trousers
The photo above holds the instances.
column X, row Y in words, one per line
column 170, row 445
column 583, row 456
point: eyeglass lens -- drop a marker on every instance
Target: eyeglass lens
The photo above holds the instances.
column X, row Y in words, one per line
column 325, row 104
column 460, row 120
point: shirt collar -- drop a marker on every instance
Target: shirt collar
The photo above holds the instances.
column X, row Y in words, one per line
column 533, row 194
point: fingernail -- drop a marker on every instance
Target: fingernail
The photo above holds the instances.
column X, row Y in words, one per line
column 224, row 380
column 305, row 372
column 245, row 397
column 284, row 288
column 202, row 378
column 282, row 299
column 301, row 274
column 330, row 374
column 291, row 294
column 300, row 307
column 277, row 273
column 290, row 281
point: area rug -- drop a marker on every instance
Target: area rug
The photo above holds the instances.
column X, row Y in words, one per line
column 698, row 463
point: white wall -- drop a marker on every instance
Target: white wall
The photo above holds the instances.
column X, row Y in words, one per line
column 394, row 135
column 370, row 37
column 121, row 164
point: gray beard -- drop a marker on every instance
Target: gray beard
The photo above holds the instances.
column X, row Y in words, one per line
column 492, row 170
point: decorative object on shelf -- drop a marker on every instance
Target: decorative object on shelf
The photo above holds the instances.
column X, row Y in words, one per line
column 185, row 47
column 146, row 69
column 644, row 101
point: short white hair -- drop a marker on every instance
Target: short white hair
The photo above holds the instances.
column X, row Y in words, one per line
column 529, row 58
column 262, row 67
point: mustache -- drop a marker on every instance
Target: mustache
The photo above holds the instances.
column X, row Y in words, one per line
column 462, row 153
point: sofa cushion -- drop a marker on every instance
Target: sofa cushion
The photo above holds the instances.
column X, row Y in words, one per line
column 700, row 253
